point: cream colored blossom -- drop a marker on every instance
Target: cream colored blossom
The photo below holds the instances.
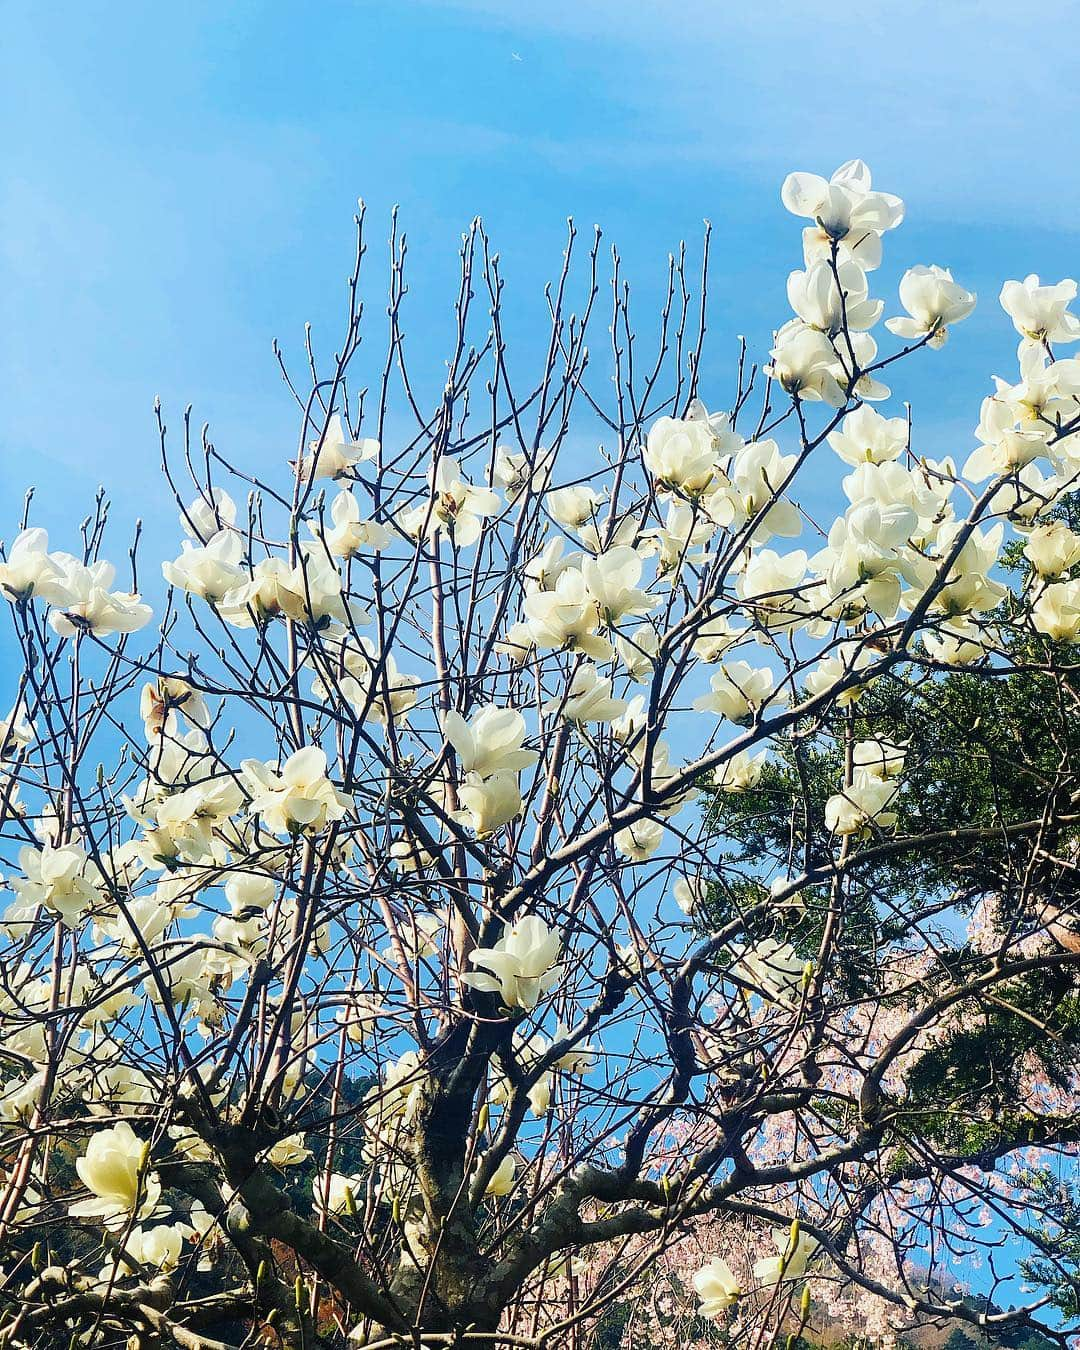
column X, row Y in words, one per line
column 300, row 798
column 113, row 1169
column 521, row 966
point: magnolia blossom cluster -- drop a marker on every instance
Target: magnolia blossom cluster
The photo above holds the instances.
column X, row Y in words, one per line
column 334, row 880
column 831, row 296
column 126, row 1196
column 79, row 594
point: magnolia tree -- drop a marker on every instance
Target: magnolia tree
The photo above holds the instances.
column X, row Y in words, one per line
column 500, row 874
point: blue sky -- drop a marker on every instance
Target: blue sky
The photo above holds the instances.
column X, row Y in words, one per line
column 179, row 181
column 181, row 184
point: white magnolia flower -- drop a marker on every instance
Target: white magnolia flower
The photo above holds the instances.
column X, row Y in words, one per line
column 588, row 698
column 1056, row 612
column 516, row 472
column 820, row 303
column 418, row 935
column 878, row 759
column 299, row 799
column 681, row 454
column 805, row 364
column 16, row 732
column 249, row 890
column 361, row 1015
column 684, row 536
column 865, row 437
column 845, row 212
column 336, row 1193
column 350, row 668
column 159, row 1247
column 409, row 855
column 848, row 659
column 574, row 506
column 20, row 1096
column 725, row 438
column 628, row 958
column 690, row 893
column 769, row 587
column 864, row 804
column 150, row 915
column 456, row 508
column 544, row 569
column 566, row 616
column 739, row 692
column 334, row 455
column 933, row 300
column 60, row 878
column 105, row 1006
column 774, row 968
column 208, row 570
column 502, row 1179
column 668, row 798
column 163, row 699
column 865, row 560
column 522, row 964
column 758, row 473
column 969, row 588
column 516, row 643
column 715, row 638
column 1040, row 313
column 488, row 802
column 925, row 489
column 30, row 570
column 247, row 934
column 612, row 581
column 89, row 606
column 638, row 651
column 958, row 642
column 716, row 1287
column 794, row 1253
column 113, row 1169
column 207, row 515
column 310, row 592
column 1028, row 493
column 640, row 840
column 207, row 802
column 1043, row 398
column 491, row 743
column 582, row 1056
column 402, row 1091
column 529, row 1050
column 1052, row 549
column 596, row 535
column 350, row 533
column 628, row 726
column 741, row 772
column 1014, row 449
